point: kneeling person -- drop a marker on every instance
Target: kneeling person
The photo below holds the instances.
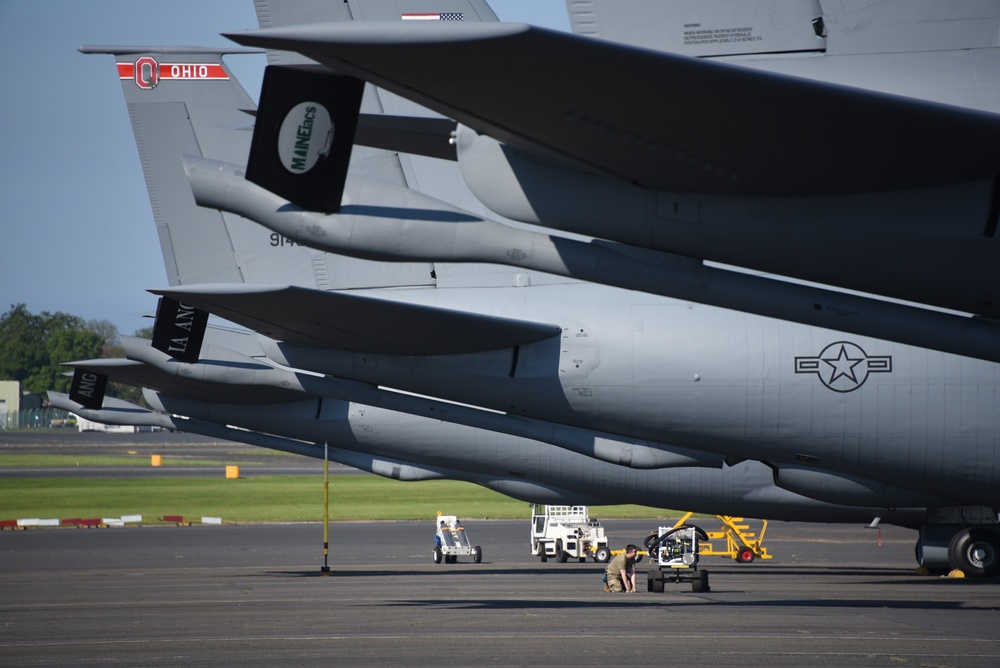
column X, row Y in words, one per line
column 621, row 571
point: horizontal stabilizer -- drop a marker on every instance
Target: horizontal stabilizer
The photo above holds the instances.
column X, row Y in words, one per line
column 358, row 323
column 304, row 133
column 662, row 121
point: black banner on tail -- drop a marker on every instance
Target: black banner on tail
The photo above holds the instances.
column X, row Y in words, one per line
column 304, row 133
column 179, row 330
column 88, row 388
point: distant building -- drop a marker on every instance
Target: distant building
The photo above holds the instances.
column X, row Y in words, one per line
column 12, row 401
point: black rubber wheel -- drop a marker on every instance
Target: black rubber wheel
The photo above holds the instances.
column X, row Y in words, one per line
column 437, row 555
column 654, row 580
column 603, row 555
column 477, row 554
column 745, row 555
column 976, row 552
column 700, row 582
column 561, row 556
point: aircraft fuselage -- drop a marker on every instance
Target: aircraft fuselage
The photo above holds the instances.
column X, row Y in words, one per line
column 740, row 385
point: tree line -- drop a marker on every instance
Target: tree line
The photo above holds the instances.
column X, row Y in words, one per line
column 33, row 348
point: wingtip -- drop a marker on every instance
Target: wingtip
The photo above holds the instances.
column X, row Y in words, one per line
column 374, row 33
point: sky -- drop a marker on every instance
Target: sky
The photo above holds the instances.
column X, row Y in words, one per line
column 77, row 233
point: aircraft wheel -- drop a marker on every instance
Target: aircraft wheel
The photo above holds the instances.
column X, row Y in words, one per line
column 603, row 555
column 654, row 580
column 437, row 555
column 477, row 554
column 745, row 555
column 544, row 557
column 975, row 552
column 561, row 556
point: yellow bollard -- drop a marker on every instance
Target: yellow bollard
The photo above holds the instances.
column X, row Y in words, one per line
column 232, row 472
column 157, row 460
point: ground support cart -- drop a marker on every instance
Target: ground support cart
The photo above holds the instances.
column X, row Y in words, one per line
column 673, row 552
column 742, row 545
column 451, row 541
column 564, row 532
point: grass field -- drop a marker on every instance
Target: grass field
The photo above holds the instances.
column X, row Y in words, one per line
column 267, row 499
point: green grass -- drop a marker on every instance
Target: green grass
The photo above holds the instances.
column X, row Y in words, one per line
column 269, row 499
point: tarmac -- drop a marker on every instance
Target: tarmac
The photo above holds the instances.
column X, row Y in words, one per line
column 254, row 595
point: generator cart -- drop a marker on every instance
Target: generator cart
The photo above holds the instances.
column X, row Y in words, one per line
column 451, row 541
column 564, row 532
column 673, row 552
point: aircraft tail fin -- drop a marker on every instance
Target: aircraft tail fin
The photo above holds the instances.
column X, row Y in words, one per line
column 88, row 388
column 304, row 135
column 186, row 101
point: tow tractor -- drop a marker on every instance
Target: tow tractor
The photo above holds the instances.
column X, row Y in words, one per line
column 451, row 541
column 673, row 552
column 564, row 532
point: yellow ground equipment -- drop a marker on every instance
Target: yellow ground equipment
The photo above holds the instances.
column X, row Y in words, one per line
column 742, row 545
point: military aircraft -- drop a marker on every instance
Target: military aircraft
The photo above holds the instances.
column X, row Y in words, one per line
column 256, row 403
column 848, row 144
column 643, row 372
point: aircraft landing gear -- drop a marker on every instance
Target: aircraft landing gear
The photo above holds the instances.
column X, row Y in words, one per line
column 976, row 552
column 967, row 541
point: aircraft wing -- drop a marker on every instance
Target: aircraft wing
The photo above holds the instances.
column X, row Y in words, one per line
column 662, row 121
column 140, row 374
column 358, row 323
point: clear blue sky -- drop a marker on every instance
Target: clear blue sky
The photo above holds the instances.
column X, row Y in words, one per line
column 77, row 234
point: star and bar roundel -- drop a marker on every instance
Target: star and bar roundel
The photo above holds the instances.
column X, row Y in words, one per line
column 843, row 366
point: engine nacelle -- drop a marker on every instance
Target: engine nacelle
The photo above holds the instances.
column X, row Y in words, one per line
column 849, row 490
column 561, row 195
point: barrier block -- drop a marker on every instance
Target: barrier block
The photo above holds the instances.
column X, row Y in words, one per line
column 90, row 522
column 211, row 520
column 173, row 518
column 134, row 519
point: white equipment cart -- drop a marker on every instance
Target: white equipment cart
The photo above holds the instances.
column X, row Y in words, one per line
column 563, row 532
column 451, row 541
column 674, row 556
